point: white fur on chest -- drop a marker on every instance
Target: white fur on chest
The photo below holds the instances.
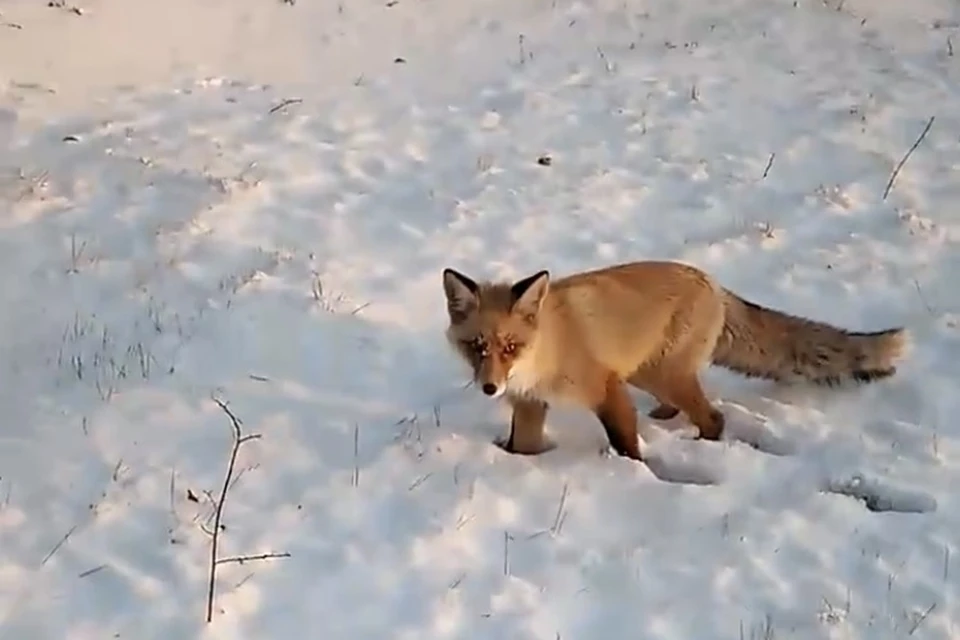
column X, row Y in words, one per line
column 525, row 378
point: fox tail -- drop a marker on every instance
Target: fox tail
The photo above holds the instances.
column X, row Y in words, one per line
column 759, row 342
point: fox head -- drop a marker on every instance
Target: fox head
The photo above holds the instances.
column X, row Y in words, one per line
column 493, row 325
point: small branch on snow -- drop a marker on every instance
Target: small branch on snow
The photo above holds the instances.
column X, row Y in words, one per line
column 506, row 552
column 946, row 562
column 923, row 298
column 604, row 60
column 766, row 170
column 896, row 170
column 57, row 546
column 561, row 513
column 90, row 572
column 238, row 440
column 923, row 616
column 173, row 493
column 355, row 478
column 416, row 483
column 283, row 104
column 252, row 558
column 360, row 308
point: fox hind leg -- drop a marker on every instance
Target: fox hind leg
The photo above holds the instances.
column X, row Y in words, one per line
column 680, row 392
column 664, row 411
column 690, row 397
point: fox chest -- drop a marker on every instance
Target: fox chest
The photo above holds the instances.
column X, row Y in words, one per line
column 527, row 380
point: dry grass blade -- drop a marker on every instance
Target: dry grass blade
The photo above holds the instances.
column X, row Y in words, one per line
column 903, row 160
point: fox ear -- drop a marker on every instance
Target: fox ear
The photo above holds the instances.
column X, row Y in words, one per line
column 461, row 294
column 529, row 293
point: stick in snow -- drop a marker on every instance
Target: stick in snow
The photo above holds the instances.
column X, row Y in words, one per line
column 238, row 440
column 903, row 160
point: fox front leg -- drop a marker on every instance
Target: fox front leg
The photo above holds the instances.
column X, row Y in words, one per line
column 527, row 426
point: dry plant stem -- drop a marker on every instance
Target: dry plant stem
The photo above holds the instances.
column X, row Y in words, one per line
column 238, row 439
column 355, row 478
column 920, row 620
column 285, row 103
column 766, row 169
column 59, row 544
column 259, row 556
column 903, row 160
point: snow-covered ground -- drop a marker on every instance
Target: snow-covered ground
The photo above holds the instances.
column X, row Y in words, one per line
column 253, row 201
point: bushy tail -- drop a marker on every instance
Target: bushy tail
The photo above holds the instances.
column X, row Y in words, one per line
column 764, row 343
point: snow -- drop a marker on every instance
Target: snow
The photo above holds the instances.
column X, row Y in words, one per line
column 169, row 234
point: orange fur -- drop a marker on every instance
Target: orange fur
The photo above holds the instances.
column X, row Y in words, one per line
column 653, row 325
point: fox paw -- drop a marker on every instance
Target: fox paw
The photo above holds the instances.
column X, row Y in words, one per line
column 664, row 412
column 544, row 446
column 713, row 428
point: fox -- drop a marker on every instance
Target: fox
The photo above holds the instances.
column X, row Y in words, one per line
column 654, row 325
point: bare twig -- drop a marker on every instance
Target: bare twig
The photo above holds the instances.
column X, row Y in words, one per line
column 57, row 546
column 896, row 170
column 259, row 556
column 923, row 298
column 90, row 572
column 766, row 170
column 558, row 520
column 355, row 479
column 416, row 483
column 923, row 616
column 173, row 490
column 946, row 562
column 506, row 553
column 604, row 60
column 240, row 473
column 463, row 520
column 238, row 439
column 285, row 103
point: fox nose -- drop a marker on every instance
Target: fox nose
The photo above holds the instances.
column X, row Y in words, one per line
column 489, row 388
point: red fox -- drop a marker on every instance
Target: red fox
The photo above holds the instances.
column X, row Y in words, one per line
column 653, row 325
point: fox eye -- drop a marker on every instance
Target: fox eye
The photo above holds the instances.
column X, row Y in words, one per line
column 476, row 345
column 510, row 348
